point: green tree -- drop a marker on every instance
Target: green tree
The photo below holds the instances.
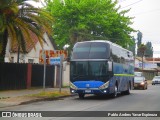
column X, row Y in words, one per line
column 139, row 39
column 80, row 20
column 17, row 19
column 149, row 50
column 133, row 47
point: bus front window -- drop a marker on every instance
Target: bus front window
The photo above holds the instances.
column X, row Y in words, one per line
column 79, row 69
column 98, row 68
column 88, row 70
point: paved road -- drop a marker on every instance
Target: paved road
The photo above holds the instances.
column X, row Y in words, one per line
column 138, row 100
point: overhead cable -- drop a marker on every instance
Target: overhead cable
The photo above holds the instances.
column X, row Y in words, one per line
column 131, row 4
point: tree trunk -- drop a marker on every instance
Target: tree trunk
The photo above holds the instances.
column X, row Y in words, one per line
column 3, row 43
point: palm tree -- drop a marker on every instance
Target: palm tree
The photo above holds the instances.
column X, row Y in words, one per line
column 142, row 48
column 17, row 19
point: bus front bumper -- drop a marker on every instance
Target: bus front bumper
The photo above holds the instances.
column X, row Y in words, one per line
column 90, row 91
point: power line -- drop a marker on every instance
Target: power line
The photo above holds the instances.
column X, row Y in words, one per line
column 120, row 1
column 131, row 4
column 147, row 12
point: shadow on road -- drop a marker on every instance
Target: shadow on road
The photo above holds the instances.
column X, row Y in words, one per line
column 100, row 97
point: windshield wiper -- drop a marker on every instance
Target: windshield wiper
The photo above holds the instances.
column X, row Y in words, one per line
column 78, row 76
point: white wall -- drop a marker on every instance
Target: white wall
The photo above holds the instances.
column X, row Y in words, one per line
column 33, row 54
column 66, row 76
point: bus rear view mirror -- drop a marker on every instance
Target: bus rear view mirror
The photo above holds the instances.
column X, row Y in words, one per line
column 109, row 66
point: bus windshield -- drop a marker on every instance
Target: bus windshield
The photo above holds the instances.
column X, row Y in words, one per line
column 88, row 50
column 84, row 70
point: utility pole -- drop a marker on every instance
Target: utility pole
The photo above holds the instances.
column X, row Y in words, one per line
column 44, row 71
column 142, row 62
column 60, row 75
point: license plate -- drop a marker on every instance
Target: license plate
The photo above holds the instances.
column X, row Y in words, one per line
column 87, row 91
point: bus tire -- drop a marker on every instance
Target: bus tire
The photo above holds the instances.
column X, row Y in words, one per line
column 114, row 95
column 127, row 92
column 81, row 95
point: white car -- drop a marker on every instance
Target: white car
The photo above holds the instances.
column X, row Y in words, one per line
column 156, row 80
column 138, row 74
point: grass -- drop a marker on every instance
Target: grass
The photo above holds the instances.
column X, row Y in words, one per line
column 50, row 94
column 4, row 97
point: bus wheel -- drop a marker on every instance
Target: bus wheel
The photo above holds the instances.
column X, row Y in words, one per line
column 81, row 95
column 127, row 92
column 114, row 95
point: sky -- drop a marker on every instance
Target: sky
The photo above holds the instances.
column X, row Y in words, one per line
column 146, row 15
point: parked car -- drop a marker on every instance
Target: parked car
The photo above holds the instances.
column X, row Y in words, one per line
column 156, row 80
column 140, row 82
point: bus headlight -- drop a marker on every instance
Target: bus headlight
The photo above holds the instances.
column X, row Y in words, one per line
column 73, row 86
column 104, row 86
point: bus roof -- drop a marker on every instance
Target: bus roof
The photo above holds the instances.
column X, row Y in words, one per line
column 105, row 41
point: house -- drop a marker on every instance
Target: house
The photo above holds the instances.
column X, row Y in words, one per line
column 149, row 69
column 32, row 54
column 147, row 65
column 154, row 60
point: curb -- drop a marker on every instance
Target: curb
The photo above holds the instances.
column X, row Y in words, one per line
column 43, row 99
column 37, row 100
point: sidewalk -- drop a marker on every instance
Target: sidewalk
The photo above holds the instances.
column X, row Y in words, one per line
column 18, row 97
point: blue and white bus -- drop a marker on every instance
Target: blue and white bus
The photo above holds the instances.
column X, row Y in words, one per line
column 101, row 67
